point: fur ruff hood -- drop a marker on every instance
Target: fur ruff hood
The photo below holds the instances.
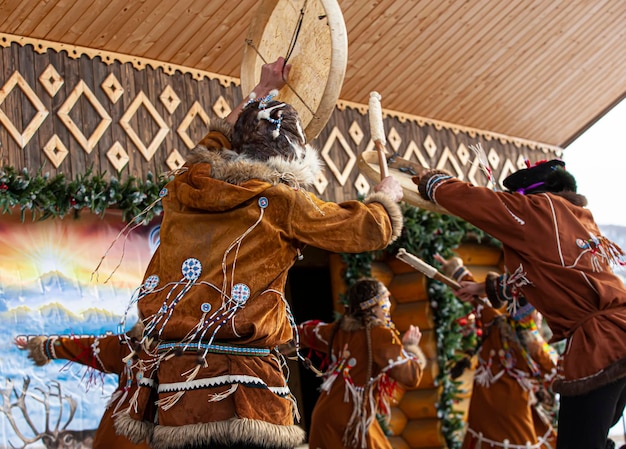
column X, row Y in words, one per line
column 234, row 168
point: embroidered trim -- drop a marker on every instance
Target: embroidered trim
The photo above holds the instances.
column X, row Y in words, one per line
column 95, row 349
column 248, row 381
column 515, row 217
column 543, row 440
column 432, row 184
column 48, row 348
column 214, row 348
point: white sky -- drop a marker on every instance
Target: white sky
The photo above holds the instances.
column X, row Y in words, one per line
column 597, row 159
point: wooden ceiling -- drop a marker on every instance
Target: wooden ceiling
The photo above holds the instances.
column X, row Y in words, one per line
column 542, row 70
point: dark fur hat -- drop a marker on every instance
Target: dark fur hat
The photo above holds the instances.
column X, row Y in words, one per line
column 546, row 176
column 268, row 129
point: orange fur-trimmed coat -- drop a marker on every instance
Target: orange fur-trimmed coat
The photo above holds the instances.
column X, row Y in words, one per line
column 213, row 297
column 345, row 413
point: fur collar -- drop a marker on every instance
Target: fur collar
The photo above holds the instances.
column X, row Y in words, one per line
column 575, row 198
column 233, row 168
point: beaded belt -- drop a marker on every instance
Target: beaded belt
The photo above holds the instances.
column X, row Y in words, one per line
column 215, row 348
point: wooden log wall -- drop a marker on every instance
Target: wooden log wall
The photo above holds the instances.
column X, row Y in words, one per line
column 66, row 110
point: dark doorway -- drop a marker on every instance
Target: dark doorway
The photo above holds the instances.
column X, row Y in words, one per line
column 309, row 291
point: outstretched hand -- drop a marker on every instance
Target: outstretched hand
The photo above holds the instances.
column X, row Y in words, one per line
column 391, row 187
column 470, row 290
column 412, row 336
column 21, row 342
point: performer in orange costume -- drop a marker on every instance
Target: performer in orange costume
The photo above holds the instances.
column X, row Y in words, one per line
column 367, row 357
column 236, row 218
column 106, row 354
column 513, row 364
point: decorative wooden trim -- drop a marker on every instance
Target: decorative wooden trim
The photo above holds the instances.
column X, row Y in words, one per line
column 175, row 160
column 472, row 132
column 112, row 88
column 196, row 110
column 24, row 137
column 73, row 51
column 221, row 107
column 340, row 175
column 118, row 156
column 88, row 143
column 55, row 150
column 51, row 80
column 142, row 99
column 169, row 99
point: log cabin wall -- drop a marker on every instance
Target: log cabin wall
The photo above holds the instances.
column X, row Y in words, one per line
column 68, row 109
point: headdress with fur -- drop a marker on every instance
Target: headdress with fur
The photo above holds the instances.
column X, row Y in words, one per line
column 544, row 176
column 267, row 129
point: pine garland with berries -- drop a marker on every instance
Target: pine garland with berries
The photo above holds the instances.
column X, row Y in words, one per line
column 56, row 196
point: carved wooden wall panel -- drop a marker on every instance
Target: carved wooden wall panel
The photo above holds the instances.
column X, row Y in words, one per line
column 68, row 111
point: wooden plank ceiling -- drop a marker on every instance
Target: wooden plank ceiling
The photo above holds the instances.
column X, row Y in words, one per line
column 542, row 70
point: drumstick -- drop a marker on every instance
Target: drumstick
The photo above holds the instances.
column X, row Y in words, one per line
column 378, row 132
column 432, row 273
column 426, row 269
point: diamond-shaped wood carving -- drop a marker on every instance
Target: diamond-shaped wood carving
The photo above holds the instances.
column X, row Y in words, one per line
column 341, row 175
column 51, row 80
column 112, row 88
column 448, row 157
column 22, row 138
column 394, row 139
column 169, row 99
column 321, row 183
column 55, row 150
column 413, row 149
column 430, row 145
column 146, row 151
column 195, row 111
column 221, row 107
column 175, row 160
column 361, row 185
column 118, row 156
column 88, row 143
column 356, row 132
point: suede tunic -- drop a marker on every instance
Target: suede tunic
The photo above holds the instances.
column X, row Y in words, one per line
column 512, row 365
column 339, row 401
column 103, row 354
column 501, row 406
column 213, row 298
column 555, row 255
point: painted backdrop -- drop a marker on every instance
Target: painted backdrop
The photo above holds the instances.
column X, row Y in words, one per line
column 48, row 287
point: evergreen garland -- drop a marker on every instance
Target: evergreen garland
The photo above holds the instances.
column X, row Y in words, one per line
column 427, row 233
column 46, row 197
